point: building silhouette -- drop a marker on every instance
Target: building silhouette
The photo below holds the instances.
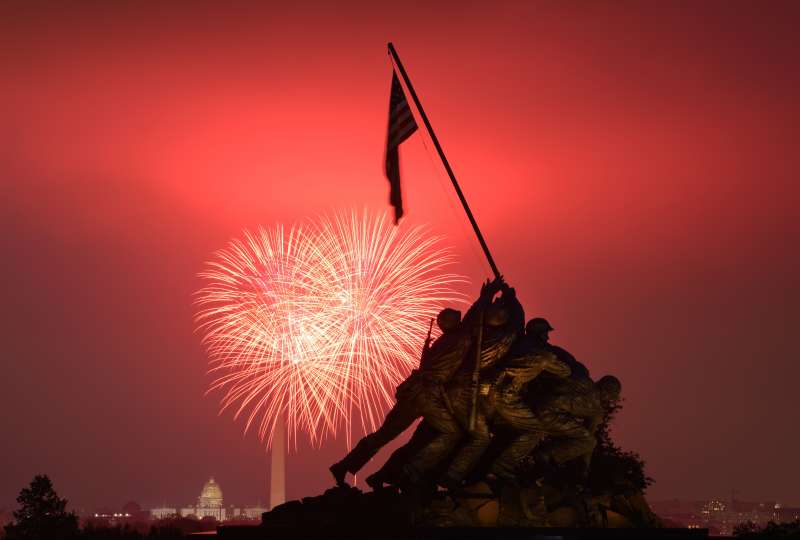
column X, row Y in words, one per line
column 210, row 504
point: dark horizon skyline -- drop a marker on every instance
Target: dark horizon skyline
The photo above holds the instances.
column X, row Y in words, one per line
column 633, row 167
column 189, row 501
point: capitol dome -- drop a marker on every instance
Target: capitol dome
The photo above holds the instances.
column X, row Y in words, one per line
column 211, row 496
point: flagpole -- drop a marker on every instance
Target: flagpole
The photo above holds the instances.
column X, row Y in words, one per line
column 446, row 164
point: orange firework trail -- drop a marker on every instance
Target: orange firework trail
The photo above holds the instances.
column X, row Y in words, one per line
column 318, row 323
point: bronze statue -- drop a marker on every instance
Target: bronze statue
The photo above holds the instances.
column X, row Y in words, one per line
column 571, row 420
column 556, row 373
column 506, row 417
column 513, row 411
column 499, row 404
column 503, row 322
column 422, row 394
column 537, row 337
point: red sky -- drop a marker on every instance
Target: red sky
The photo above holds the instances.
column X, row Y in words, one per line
column 633, row 167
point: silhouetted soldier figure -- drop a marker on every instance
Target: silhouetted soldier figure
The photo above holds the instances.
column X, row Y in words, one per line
column 537, row 338
column 513, row 412
column 548, row 396
column 571, row 422
column 503, row 324
column 422, row 393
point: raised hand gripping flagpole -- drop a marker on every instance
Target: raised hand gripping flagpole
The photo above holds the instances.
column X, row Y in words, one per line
column 438, row 146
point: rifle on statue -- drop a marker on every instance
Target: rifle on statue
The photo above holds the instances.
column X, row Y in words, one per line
column 427, row 344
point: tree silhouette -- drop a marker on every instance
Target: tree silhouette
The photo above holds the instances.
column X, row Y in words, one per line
column 615, row 470
column 42, row 514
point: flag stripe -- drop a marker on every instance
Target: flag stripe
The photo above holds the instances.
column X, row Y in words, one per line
column 402, row 134
column 401, row 123
column 401, row 117
column 400, row 107
column 401, row 126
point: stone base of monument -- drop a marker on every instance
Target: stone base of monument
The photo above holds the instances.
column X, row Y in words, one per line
column 477, row 512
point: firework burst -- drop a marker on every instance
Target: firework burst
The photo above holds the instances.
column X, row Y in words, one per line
column 316, row 324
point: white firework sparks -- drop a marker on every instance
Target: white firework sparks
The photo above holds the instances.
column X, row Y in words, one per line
column 318, row 323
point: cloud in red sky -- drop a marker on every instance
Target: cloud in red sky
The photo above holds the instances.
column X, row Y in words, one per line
column 633, row 167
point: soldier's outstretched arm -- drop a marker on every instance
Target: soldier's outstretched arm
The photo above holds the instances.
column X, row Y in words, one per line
column 529, row 367
column 553, row 365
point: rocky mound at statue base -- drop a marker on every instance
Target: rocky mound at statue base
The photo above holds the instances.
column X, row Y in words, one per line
column 475, row 506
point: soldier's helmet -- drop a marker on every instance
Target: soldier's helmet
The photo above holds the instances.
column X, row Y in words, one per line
column 448, row 319
column 495, row 315
column 610, row 387
column 538, row 326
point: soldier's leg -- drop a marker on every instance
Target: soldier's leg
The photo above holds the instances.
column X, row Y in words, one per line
column 505, row 465
column 392, row 471
column 573, row 442
column 569, row 440
column 470, row 452
column 517, row 415
column 475, row 443
column 399, row 418
column 446, row 434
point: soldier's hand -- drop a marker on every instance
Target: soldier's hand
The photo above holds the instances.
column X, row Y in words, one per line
column 485, row 287
column 497, row 284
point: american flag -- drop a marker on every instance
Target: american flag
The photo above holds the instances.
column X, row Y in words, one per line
column 401, row 127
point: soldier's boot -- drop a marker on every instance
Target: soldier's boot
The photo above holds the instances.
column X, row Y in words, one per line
column 410, row 485
column 375, row 481
column 339, row 472
column 533, row 505
column 363, row 451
